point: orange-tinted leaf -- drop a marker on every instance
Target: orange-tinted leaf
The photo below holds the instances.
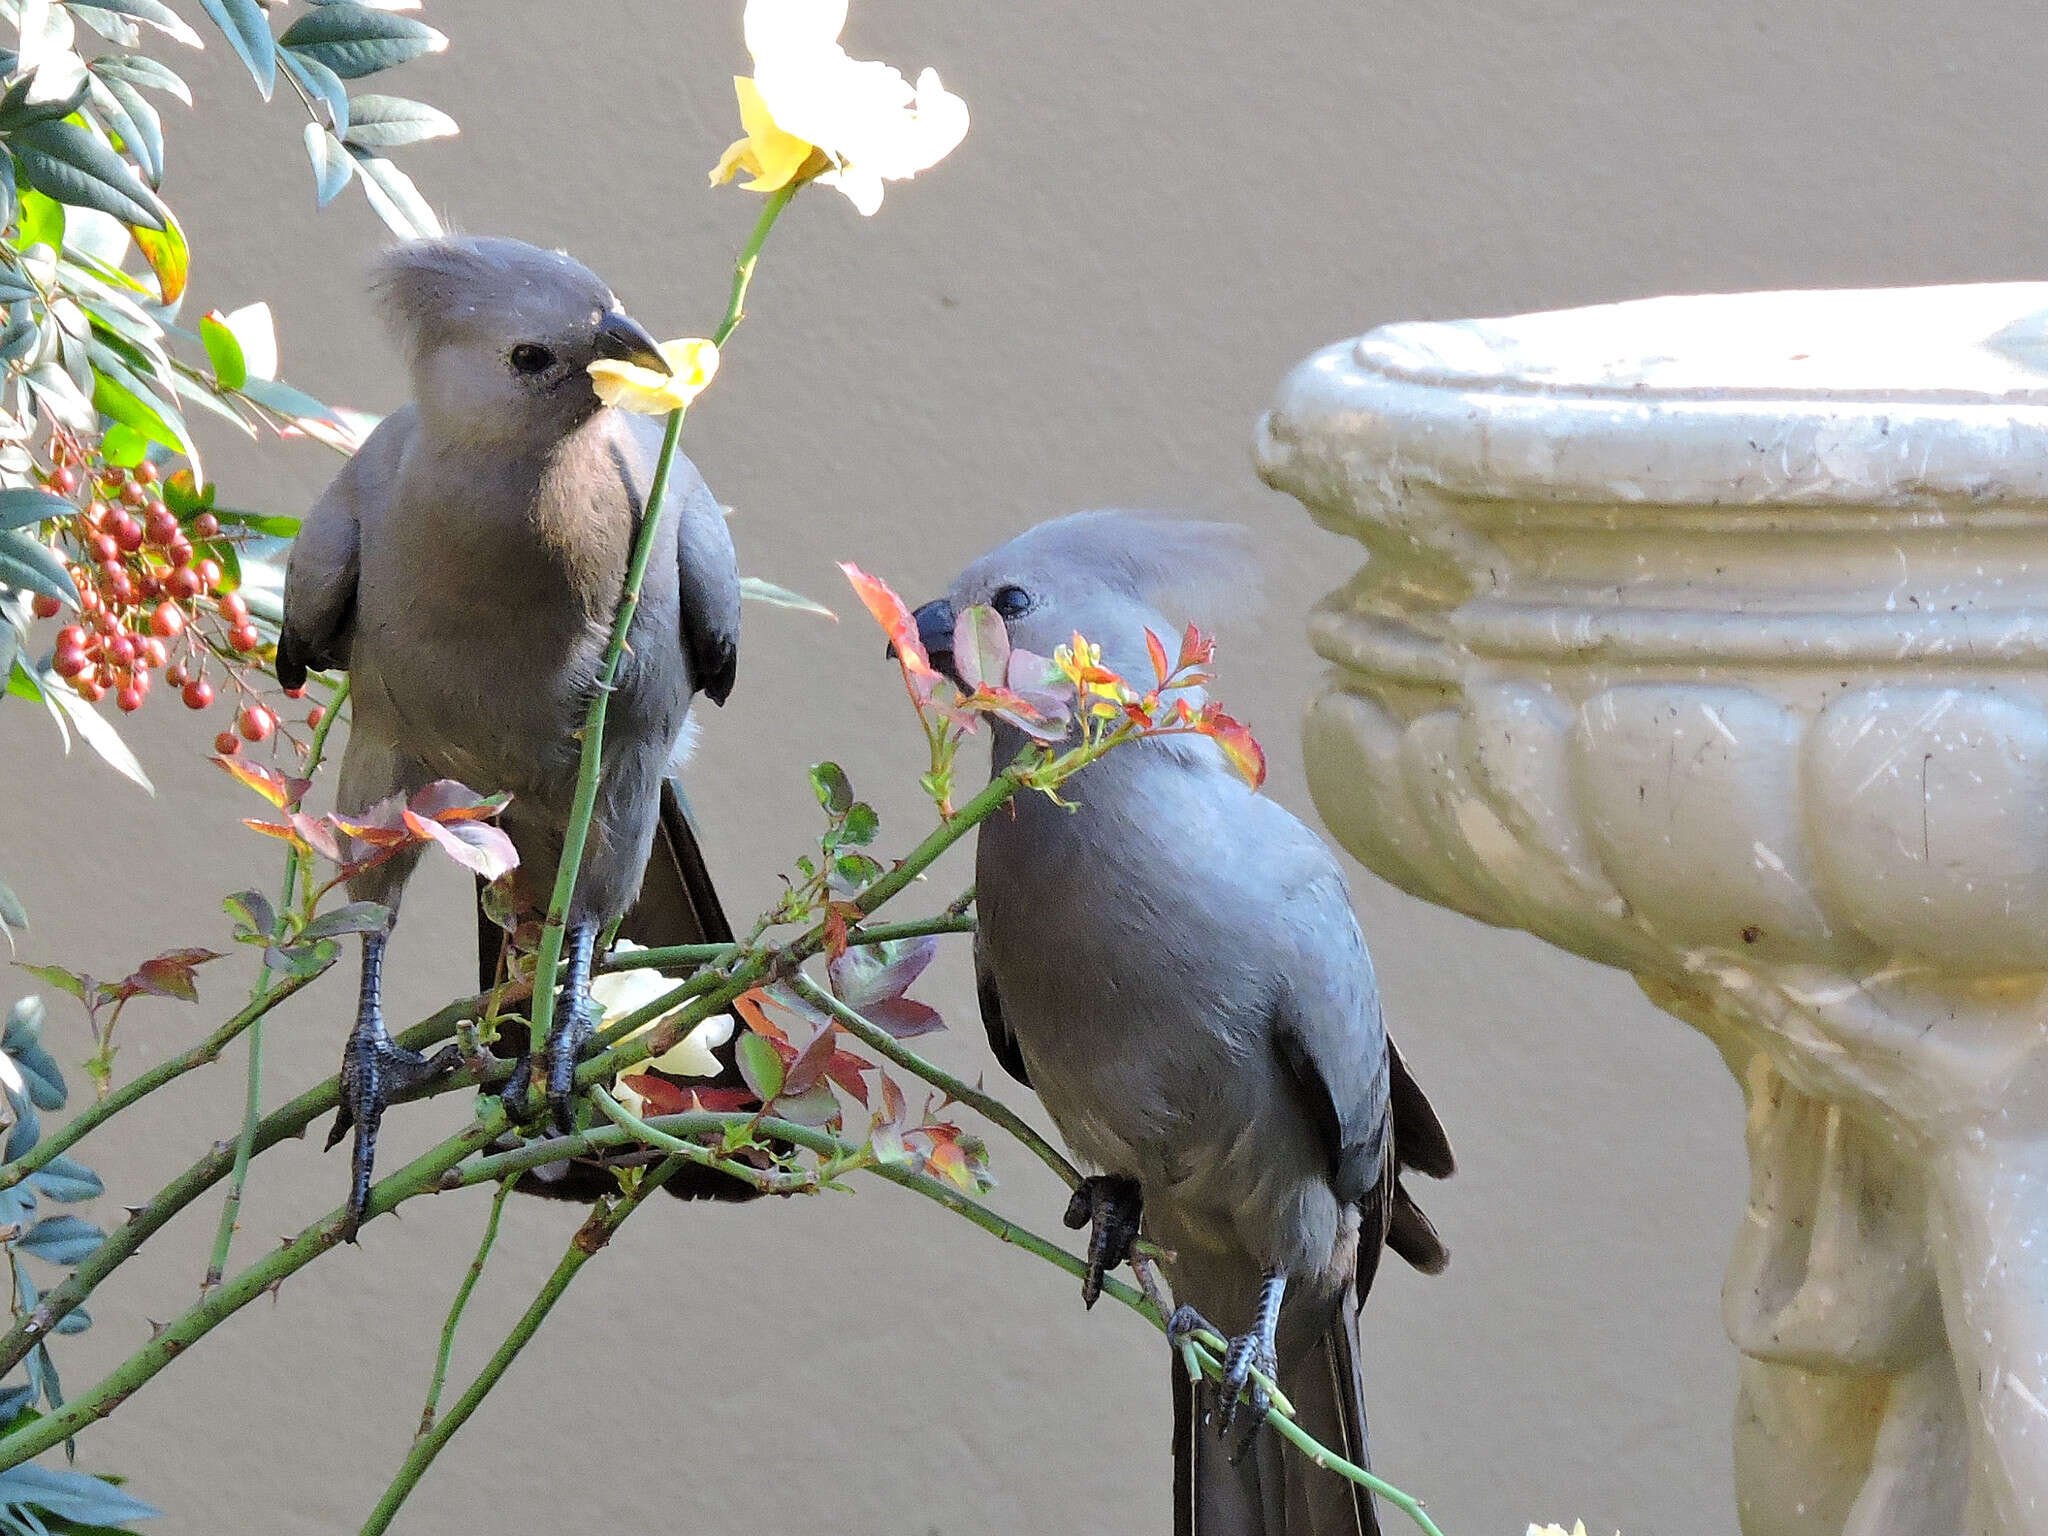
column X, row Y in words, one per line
column 949, row 1162
column 755, row 1016
column 1241, row 748
column 1196, row 648
column 280, row 791
column 271, row 829
column 893, row 615
column 447, row 800
column 849, row 1072
column 477, row 846
column 661, row 1096
column 1156, row 649
column 317, row 835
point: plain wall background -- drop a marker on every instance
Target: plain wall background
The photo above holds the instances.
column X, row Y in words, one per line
column 1160, row 208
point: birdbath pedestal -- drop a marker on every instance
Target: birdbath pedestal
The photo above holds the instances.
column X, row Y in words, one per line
column 1708, row 638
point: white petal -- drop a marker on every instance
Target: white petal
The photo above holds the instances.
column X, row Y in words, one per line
column 775, row 27
column 862, row 188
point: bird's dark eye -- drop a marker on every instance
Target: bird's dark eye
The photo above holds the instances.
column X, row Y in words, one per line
column 531, row 357
column 1011, row 602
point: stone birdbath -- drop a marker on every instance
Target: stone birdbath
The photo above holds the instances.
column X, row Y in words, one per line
column 1708, row 638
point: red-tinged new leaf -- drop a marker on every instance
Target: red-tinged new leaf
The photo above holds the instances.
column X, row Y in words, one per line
column 477, row 846
column 809, row 1066
column 661, row 1096
column 317, row 835
column 1196, row 649
column 1240, row 747
column 904, row 1018
column 282, row 792
column 981, row 646
column 272, row 829
column 873, row 973
column 381, row 825
column 1156, row 649
column 760, row 1064
column 447, row 800
column 893, row 615
column 849, row 1072
column 722, row 1101
column 170, row 975
column 749, row 1005
column 949, row 1162
column 894, row 1105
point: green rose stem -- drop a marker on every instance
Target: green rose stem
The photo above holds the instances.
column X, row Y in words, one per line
column 548, row 964
column 252, row 1106
column 589, row 1241
column 883, row 1043
column 474, row 1273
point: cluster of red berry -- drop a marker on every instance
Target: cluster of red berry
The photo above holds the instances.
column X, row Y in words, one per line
column 151, row 600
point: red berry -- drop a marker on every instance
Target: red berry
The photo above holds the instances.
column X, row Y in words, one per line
column 226, row 745
column 46, row 606
column 129, row 699
column 90, row 689
column 64, row 480
column 70, row 661
column 316, row 714
column 134, row 494
column 96, row 512
column 153, row 652
column 103, row 547
column 120, row 587
column 295, row 693
column 206, row 525
column 177, row 675
column 145, row 472
column 233, row 608
column 243, row 637
column 199, row 694
column 106, row 623
column 255, row 722
column 209, row 573
column 168, row 621
column 127, row 532
column 122, row 649
column 180, row 550
column 71, row 638
column 183, row 583
column 160, row 523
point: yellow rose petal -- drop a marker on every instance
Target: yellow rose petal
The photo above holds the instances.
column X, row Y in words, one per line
column 767, row 154
column 693, row 361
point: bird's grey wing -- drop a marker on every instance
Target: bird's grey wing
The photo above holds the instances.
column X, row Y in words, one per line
column 1328, row 1031
column 1000, row 1040
column 707, row 568
column 325, row 561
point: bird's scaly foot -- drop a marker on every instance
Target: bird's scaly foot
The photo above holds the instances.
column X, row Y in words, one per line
column 1252, row 1351
column 1110, row 1206
column 575, row 1022
column 374, row 1071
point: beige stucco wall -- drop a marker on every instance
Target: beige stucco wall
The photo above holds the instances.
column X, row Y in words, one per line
column 1160, row 208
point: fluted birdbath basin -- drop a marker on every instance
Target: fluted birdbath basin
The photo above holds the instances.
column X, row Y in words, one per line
column 1708, row 638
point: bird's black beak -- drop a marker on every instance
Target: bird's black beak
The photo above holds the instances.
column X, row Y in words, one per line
column 621, row 337
column 935, row 633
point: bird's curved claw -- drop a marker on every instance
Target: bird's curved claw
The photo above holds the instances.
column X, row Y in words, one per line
column 1111, row 1207
column 374, row 1072
column 1242, row 1394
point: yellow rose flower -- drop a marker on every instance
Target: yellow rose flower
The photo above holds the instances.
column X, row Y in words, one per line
column 813, row 113
column 692, row 362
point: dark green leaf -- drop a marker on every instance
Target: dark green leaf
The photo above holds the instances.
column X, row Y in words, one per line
column 28, row 563
column 12, row 913
column 24, row 1024
column 67, row 163
column 28, row 1130
column 153, row 12
column 64, row 1180
column 301, row 959
column 10, row 203
column 393, row 195
column 322, row 83
column 134, row 121
column 384, row 122
column 24, row 505
column 356, row 917
column 353, row 40
column 17, row 111
column 60, row 1240
column 861, row 825
column 248, row 32
column 832, row 787
column 12, row 1400
column 74, row 1321
column 331, row 167
column 138, row 69
column 21, row 335
column 72, row 1495
column 253, row 912
column 44, row 1078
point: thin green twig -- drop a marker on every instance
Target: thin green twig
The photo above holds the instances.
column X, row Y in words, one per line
column 589, row 1241
column 474, row 1273
column 252, row 1098
column 990, row 1108
column 547, row 965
